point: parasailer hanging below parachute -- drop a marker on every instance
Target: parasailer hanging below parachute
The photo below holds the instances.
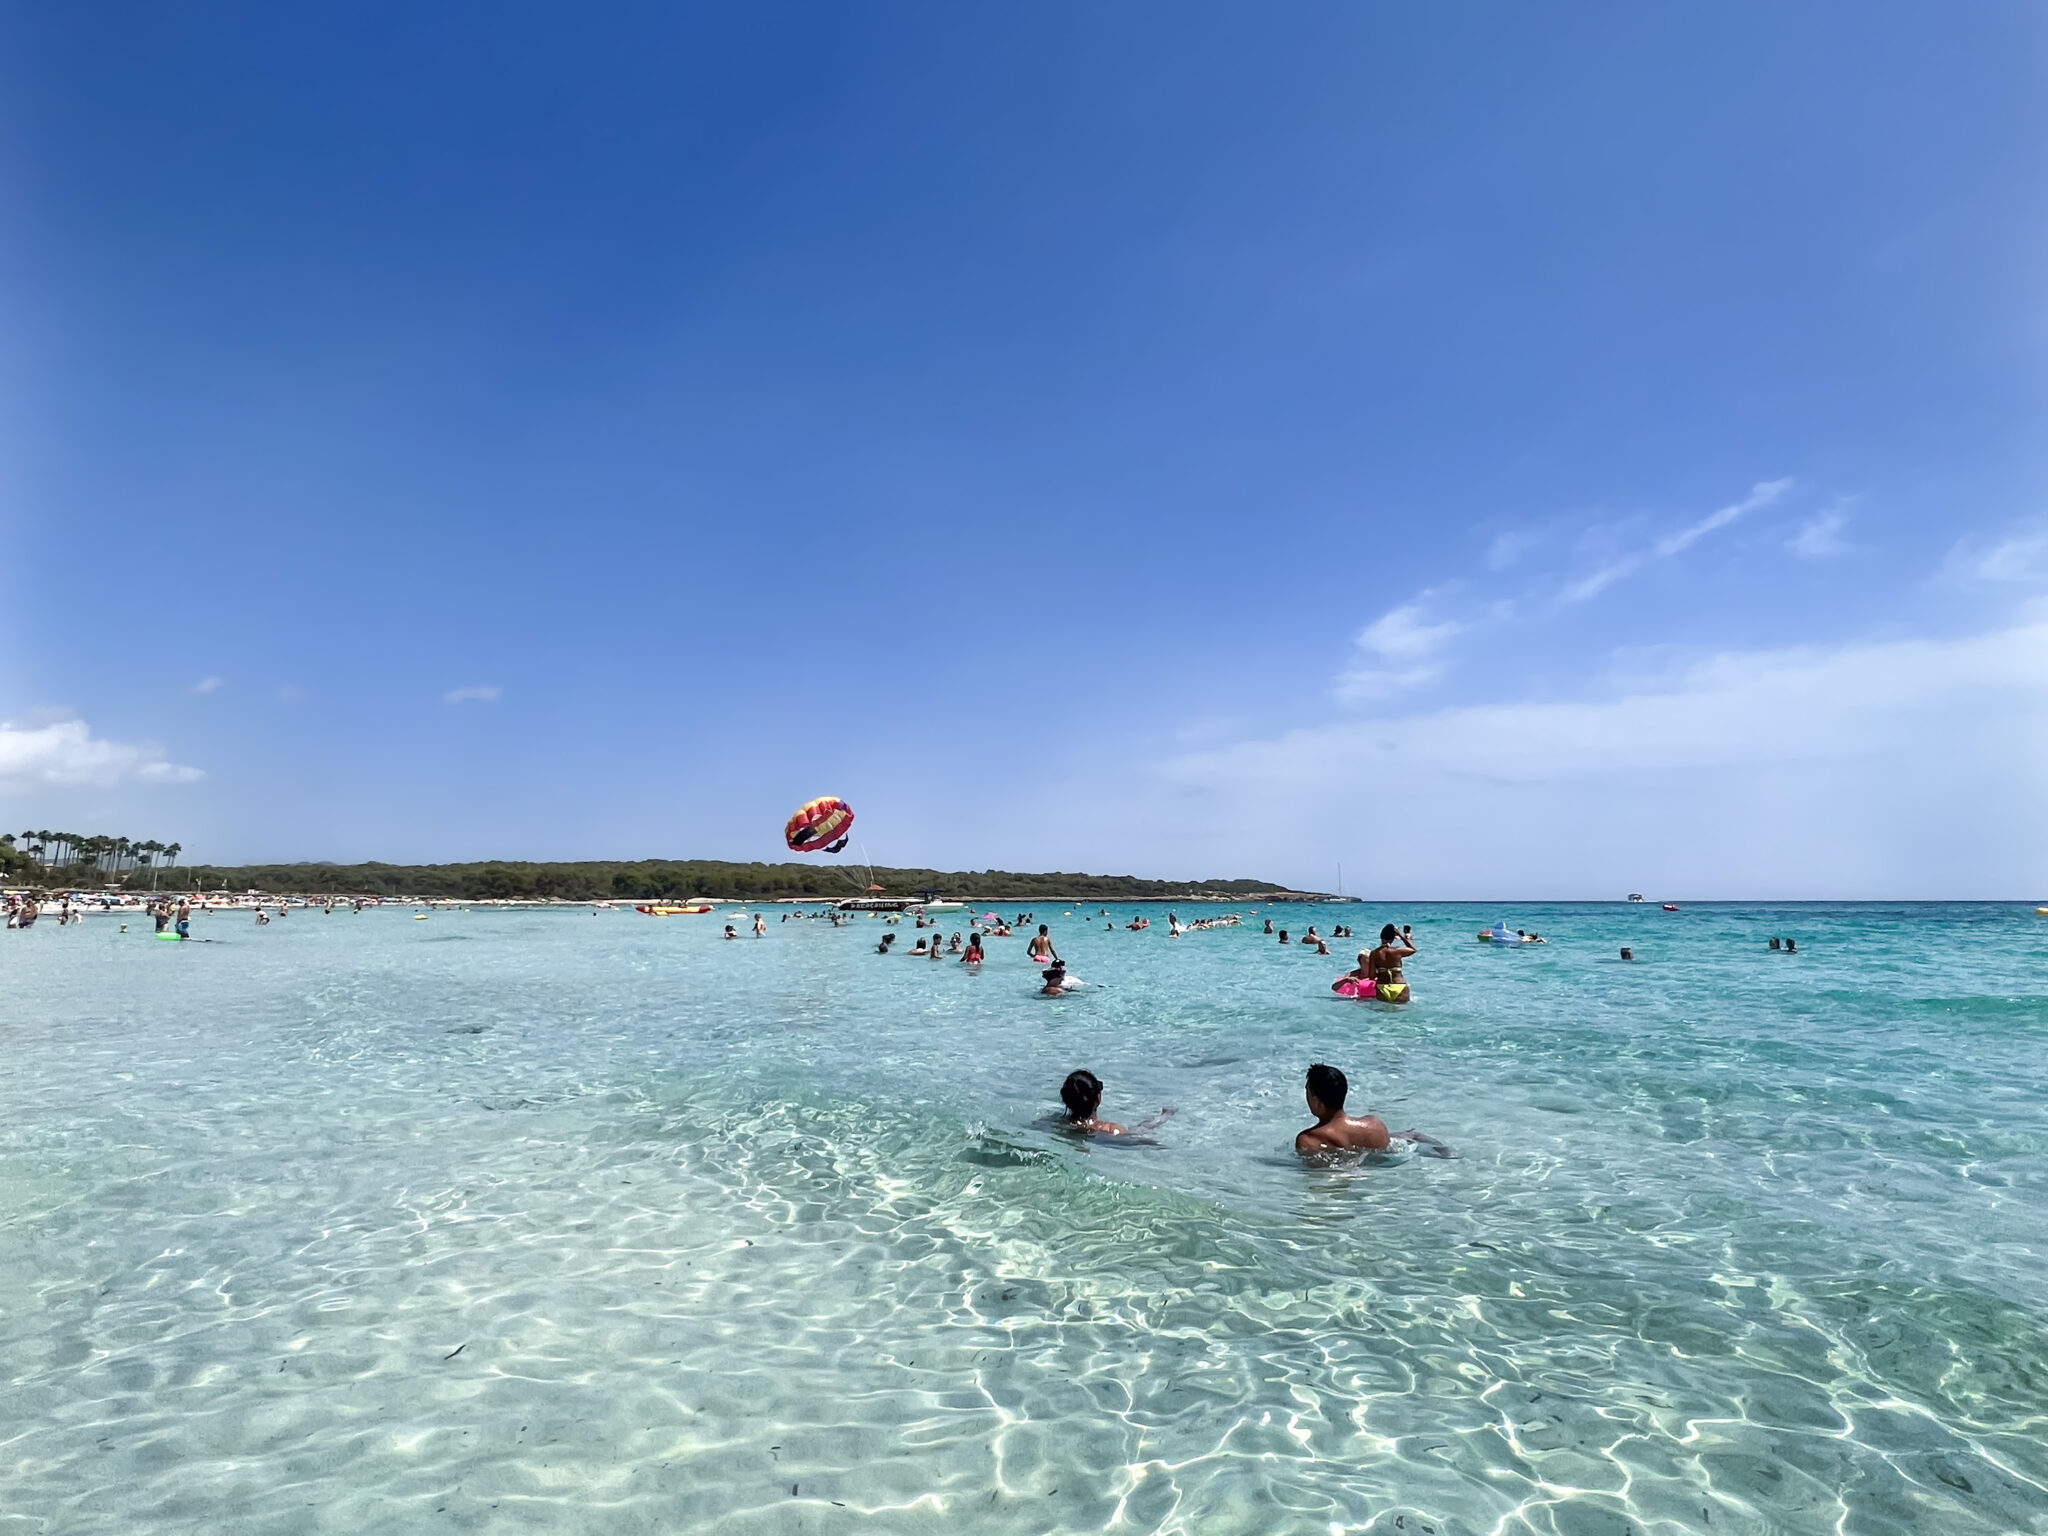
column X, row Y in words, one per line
column 819, row 826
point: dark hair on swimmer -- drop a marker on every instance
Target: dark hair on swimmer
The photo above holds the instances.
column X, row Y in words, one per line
column 1041, row 927
column 1328, row 1085
column 1081, row 1093
column 1389, row 933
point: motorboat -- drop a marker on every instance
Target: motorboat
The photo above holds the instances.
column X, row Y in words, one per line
column 913, row 904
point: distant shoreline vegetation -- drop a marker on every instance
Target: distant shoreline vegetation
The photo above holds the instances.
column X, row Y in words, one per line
column 651, row 879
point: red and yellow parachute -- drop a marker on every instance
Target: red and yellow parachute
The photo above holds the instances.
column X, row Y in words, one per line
column 819, row 826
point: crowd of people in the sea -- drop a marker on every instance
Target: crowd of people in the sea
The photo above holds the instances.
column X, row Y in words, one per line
column 1379, row 973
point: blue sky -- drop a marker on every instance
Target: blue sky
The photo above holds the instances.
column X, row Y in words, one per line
column 1507, row 451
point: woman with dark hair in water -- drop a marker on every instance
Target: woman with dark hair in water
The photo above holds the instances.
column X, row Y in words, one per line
column 1081, row 1093
column 1385, row 962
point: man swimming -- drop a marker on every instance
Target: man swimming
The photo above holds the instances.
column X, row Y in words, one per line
column 1335, row 1131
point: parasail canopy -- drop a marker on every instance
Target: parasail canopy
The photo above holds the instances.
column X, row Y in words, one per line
column 819, row 826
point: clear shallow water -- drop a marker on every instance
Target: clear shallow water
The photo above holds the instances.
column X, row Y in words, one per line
column 762, row 1237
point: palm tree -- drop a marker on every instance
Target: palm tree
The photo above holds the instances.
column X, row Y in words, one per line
column 173, row 851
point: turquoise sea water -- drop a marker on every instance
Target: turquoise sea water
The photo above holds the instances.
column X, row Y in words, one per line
column 568, row 1222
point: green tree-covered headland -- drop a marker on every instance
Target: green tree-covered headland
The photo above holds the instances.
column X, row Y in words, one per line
column 648, row 879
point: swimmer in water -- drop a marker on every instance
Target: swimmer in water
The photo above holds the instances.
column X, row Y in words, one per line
column 1283, row 936
column 1335, row 1131
column 1041, row 946
column 1385, row 962
column 1081, row 1093
column 1056, row 983
column 974, row 955
column 918, row 949
column 880, row 949
column 729, row 933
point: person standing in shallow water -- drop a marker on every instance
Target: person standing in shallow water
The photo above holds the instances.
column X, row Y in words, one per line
column 1041, row 945
column 1385, row 962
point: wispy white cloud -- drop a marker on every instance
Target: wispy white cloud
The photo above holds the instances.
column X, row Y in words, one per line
column 1820, row 535
column 475, row 694
column 1762, row 494
column 209, row 684
column 1404, row 634
column 1404, row 648
column 2021, row 556
column 64, row 754
column 1507, row 548
column 1752, row 773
